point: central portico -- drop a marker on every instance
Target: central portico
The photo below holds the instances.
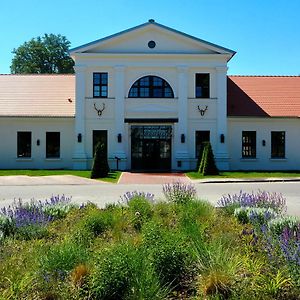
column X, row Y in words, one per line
column 154, row 94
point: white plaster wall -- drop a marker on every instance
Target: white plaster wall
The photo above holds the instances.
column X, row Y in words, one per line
column 178, row 69
column 263, row 128
column 137, row 42
column 38, row 126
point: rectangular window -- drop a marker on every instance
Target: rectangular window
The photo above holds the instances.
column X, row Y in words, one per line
column 277, row 144
column 202, row 85
column 201, row 137
column 100, row 85
column 99, row 136
column 24, row 144
column 249, row 144
column 52, row 144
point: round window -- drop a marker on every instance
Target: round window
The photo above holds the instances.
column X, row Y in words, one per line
column 151, row 44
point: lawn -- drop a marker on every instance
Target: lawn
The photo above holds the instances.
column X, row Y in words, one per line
column 179, row 247
column 112, row 177
column 245, row 174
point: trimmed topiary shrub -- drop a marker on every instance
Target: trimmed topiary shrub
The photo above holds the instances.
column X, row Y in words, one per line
column 100, row 166
column 207, row 165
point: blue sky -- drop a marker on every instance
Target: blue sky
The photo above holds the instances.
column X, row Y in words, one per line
column 265, row 33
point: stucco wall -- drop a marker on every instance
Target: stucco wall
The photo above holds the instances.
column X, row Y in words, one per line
column 263, row 128
column 38, row 126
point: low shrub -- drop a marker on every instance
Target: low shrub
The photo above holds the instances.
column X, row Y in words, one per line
column 128, row 196
column 257, row 216
column 179, row 192
column 278, row 225
column 260, row 199
column 169, row 253
column 29, row 220
column 141, row 211
column 60, row 259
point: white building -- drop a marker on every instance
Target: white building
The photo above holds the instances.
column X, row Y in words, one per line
column 153, row 95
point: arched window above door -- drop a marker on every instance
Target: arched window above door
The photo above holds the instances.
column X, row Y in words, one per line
column 151, row 87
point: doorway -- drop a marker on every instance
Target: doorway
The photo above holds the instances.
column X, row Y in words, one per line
column 151, row 147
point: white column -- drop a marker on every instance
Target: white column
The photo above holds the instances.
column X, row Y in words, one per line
column 222, row 158
column 119, row 84
column 182, row 127
column 79, row 155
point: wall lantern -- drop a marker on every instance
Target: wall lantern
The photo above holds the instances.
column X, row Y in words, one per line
column 38, row 142
column 222, row 138
column 182, row 138
column 119, row 138
column 263, row 142
column 79, row 138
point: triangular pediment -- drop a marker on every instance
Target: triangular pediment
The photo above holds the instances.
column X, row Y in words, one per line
column 167, row 40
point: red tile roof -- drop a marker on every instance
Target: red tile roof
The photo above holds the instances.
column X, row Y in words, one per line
column 37, row 95
column 263, row 96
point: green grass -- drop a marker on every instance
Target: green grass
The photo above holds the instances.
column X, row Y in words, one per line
column 112, row 177
column 245, row 174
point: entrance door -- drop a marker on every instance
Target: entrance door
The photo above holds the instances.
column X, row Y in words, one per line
column 201, row 136
column 99, row 136
column 151, row 147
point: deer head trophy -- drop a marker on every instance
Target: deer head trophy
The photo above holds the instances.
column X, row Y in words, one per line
column 99, row 111
column 202, row 111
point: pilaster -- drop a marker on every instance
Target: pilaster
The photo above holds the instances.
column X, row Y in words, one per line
column 222, row 158
column 119, row 84
column 79, row 155
column 181, row 139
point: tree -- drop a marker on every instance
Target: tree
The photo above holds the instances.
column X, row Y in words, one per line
column 47, row 54
column 207, row 165
column 100, row 166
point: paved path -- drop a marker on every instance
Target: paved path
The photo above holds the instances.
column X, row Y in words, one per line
column 83, row 190
column 152, row 178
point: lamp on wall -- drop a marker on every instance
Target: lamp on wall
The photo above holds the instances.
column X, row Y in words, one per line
column 182, row 138
column 119, row 138
column 263, row 142
column 222, row 138
column 79, row 138
column 38, row 142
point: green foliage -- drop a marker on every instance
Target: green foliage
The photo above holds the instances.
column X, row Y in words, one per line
column 31, row 231
column 125, row 272
column 141, row 211
column 257, row 216
column 100, row 166
column 169, row 253
column 46, row 54
column 276, row 226
column 179, row 192
column 207, row 165
column 169, row 250
column 60, row 259
column 7, row 227
column 98, row 221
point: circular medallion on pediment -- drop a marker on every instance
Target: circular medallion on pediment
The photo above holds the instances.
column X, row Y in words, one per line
column 151, row 44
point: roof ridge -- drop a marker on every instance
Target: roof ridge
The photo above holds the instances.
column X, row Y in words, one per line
column 263, row 75
column 40, row 74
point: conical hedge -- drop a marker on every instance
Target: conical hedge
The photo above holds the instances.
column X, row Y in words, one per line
column 207, row 164
column 100, row 166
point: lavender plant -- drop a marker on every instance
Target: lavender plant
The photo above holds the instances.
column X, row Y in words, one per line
column 32, row 215
column 179, row 192
column 260, row 199
column 128, row 196
column 256, row 216
column 278, row 225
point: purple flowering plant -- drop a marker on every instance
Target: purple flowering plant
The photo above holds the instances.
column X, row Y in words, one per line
column 179, row 192
column 35, row 213
column 128, row 196
column 261, row 199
